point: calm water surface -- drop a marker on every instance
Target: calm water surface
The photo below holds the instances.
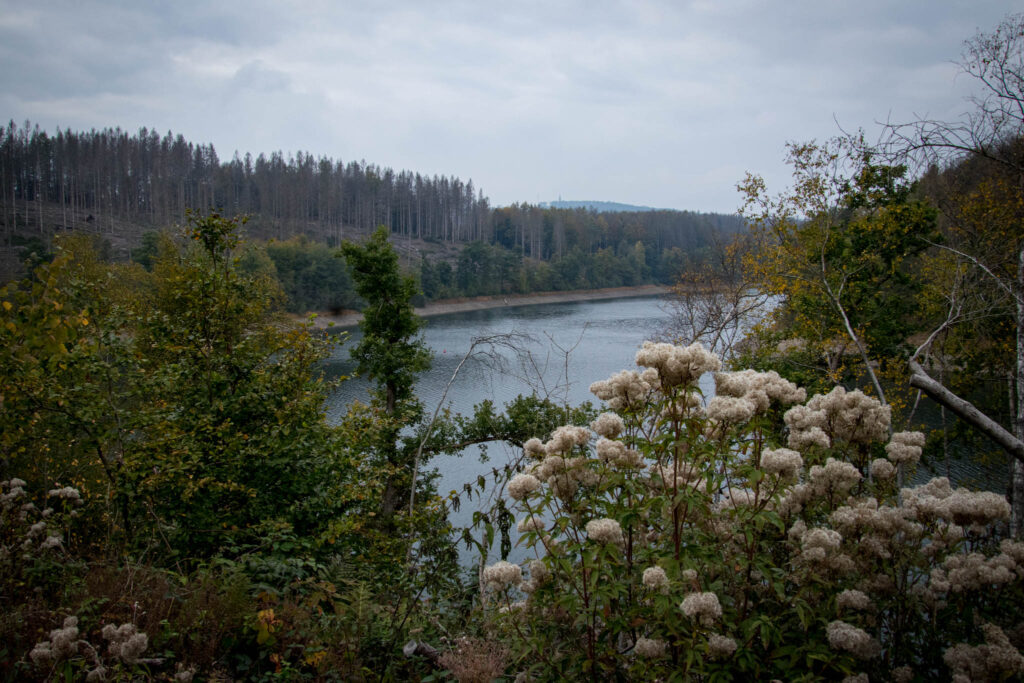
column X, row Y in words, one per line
column 563, row 348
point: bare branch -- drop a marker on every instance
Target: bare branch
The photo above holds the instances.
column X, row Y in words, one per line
column 966, row 411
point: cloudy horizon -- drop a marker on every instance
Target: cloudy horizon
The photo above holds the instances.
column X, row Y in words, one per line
column 651, row 103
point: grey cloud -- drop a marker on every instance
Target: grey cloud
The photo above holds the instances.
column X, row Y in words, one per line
column 256, row 75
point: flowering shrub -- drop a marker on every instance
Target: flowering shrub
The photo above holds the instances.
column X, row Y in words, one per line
column 34, row 539
column 692, row 538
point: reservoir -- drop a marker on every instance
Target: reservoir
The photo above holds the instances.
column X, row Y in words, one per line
column 559, row 350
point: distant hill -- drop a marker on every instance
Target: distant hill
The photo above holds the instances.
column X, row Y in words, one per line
column 601, row 207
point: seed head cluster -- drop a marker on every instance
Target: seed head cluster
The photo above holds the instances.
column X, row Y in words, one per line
column 904, row 448
column 604, row 531
column 996, row 660
column 608, row 425
column 782, row 462
column 649, row 648
column 655, row 579
column 760, row 388
column 502, row 575
column 622, row 391
column 839, row 415
column 720, row 647
column 849, row 638
column 702, row 607
column 126, row 642
column 677, row 365
column 523, row 485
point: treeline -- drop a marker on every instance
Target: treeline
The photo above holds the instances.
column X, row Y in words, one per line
column 313, row 278
column 483, row 269
column 151, row 180
column 112, row 182
column 544, row 233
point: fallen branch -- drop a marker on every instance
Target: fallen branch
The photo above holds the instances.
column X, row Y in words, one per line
column 965, row 411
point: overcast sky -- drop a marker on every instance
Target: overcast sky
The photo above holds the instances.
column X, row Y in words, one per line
column 656, row 103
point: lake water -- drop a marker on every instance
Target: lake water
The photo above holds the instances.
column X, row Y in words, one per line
column 563, row 349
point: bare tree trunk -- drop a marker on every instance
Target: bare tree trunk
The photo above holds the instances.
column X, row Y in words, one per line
column 1017, row 479
column 966, row 411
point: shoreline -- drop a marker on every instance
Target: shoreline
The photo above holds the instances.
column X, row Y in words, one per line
column 480, row 303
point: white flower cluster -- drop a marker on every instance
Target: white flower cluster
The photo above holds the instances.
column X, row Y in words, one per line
column 649, row 648
column 538, row 575
column 760, row 388
column 564, row 475
column 677, row 365
column 605, row 531
column 617, row 455
column 720, row 647
column 882, row 470
column 501, row 575
column 565, row 438
column 847, row 637
column 15, row 490
column 833, row 480
column 63, row 644
column 678, row 477
column 838, row 415
column 731, row 410
column 836, row 478
column 1014, row 549
column 904, row 448
column 522, row 485
column 534, row 448
column 52, row 542
column 782, row 462
column 66, row 493
column 868, row 521
column 126, row 642
column 938, row 500
column 996, row 660
column 702, row 607
column 37, row 535
column 608, row 425
column 820, row 548
column 736, row 498
column 687, row 405
column 655, row 579
column 973, row 571
column 623, row 390
column 901, row 674
column 530, row 523
column 851, row 599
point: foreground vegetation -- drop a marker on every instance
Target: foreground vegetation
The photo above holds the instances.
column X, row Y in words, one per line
column 174, row 505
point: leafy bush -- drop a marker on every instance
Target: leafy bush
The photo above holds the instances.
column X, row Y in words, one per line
column 694, row 540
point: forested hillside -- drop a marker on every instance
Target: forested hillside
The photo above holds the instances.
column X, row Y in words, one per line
column 122, row 185
column 151, row 180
